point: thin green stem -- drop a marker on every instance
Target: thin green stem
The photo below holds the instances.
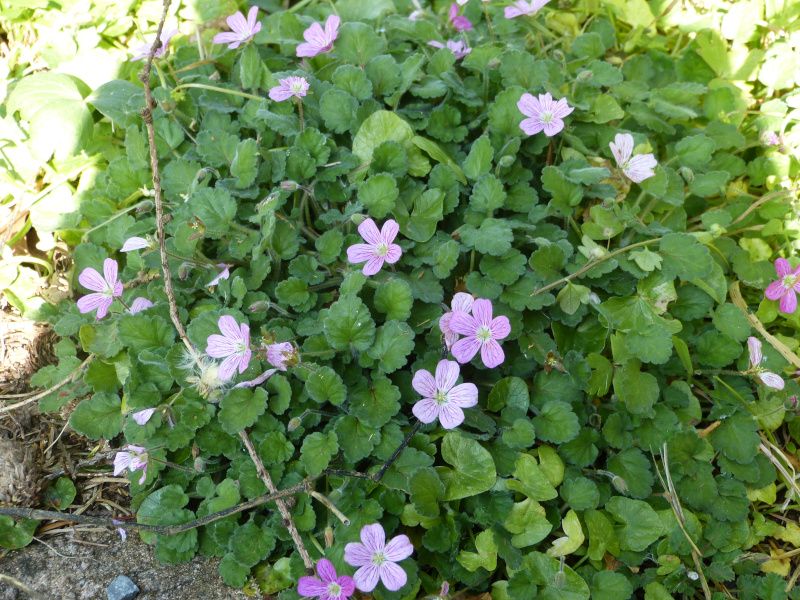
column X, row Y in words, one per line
column 217, row 89
column 107, row 221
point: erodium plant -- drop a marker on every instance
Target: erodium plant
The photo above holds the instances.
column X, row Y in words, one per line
column 485, row 292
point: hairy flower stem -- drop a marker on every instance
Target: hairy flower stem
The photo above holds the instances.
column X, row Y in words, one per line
column 488, row 22
column 300, row 111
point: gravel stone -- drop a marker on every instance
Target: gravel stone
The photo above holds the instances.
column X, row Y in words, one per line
column 122, row 588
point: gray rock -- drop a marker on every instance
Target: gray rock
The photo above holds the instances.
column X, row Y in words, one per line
column 122, row 588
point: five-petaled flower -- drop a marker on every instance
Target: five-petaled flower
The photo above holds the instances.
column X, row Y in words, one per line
column 442, row 398
column 280, row 355
column 143, row 51
column 637, row 168
column 482, row 333
column 105, row 286
column 291, row 86
column 521, row 7
column 762, row 376
column 784, row 289
column 457, row 22
column 458, row 47
column 329, row 586
column 143, row 416
column 379, row 246
column 317, row 40
column 377, row 559
column 243, row 29
column 133, row 458
column 461, row 302
column 545, row 115
column 233, row 345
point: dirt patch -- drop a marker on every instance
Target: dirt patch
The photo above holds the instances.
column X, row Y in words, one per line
column 25, row 347
column 84, row 572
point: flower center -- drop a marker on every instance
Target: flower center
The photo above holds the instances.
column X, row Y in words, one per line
column 789, row 281
column 484, row 334
column 381, row 249
column 242, row 347
column 440, row 397
column 547, row 116
column 334, row 589
column 296, row 87
column 108, row 290
column 378, row 558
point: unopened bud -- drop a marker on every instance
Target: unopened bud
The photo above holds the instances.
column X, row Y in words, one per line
column 619, row 484
column 692, row 575
column 259, row 306
column 686, row 173
column 560, row 580
column 585, row 75
column 294, row 423
column 144, row 207
column 607, row 232
column 199, row 464
column 201, row 175
column 289, row 186
column 328, row 535
column 791, row 403
column 597, row 252
column 559, row 55
column 594, row 298
column 183, row 270
column 506, row 161
column 358, row 219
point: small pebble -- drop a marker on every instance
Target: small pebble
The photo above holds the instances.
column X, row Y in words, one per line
column 122, row 588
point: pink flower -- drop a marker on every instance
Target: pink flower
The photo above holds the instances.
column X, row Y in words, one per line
column 122, row 533
column 378, row 559
column 139, row 305
column 785, row 288
column 761, row 375
column 456, row 22
column 456, row 47
column 521, row 7
column 544, row 114
column 319, row 41
column 223, row 275
column 258, row 380
column 143, row 51
column 132, row 458
column 331, row 587
column 279, row 355
column 134, row 243
column 106, row 286
column 243, row 30
column 638, row 168
column 379, row 246
column 291, row 86
column 233, row 345
column 417, row 13
column 143, row 416
column 440, row 399
column 482, row 333
column 462, row 302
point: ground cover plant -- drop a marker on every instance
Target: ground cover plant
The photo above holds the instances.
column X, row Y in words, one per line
column 502, row 297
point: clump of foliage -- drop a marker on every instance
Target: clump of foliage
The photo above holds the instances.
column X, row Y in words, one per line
column 627, row 440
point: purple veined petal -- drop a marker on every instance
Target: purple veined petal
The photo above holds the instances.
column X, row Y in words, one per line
column 465, row 348
column 137, row 449
column 143, row 416
column 369, row 231
column 546, row 101
column 393, row 254
column 332, row 28
column 755, row 351
column 561, row 108
column 218, row 346
column 424, row 383
column 92, row 280
column 435, row 44
column 464, row 395
column 357, row 555
column 366, row 578
column 531, row 126
column 771, row 380
column 512, row 12
column 463, row 302
column 134, row 243
column 326, row 571
column 307, row 50
column 244, row 360
column 258, row 380
column 426, row 410
column 444, row 323
column 143, row 478
column 450, row 339
column 453, row 12
column 311, row 587
column 347, row 584
column 110, row 270
column 529, row 105
column 450, row 416
column 553, row 127
column 228, row 367
column 500, row 327
column 122, row 533
column 226, row 37
column 237, row 23
column 393, row 576
column 796, row 286
column 796, row 271
column 315, row 36
column 788, row 303
column 279, row 93
column 775, row 290
column 389, row 231
column 622, row 148
column 373, row 265
column 373, row 537
column 783, row 267
column 462, row 24
column 447, row 372
column 482, row 311
column 244, row 333
column 121, row 462
column 118, row 289
column 102, row 310
column 358, row 253
column 641, row 167
column 252, row 20
column 141, row 303
column 492, row 354
column 228, row 327
column 463, row 323
column 399, row 548
column 90, row 302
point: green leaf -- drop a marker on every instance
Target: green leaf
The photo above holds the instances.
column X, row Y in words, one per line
column 214, row 206
column 609, row 585
column 486, row 555
column 394, row 299
column 317, row 451
column 57, row 116
column 352, row 80
column 545, row 568
column 375, row 403
column 98, row 417
column 61, row 494
column 426, row 491
column 16, row 535
column 737, row 438
column 244, row 165
column 251, row 544
column 473, row 469
column 436, row 153
column 565, row 194
column 338, row 109
column 479, row 160
column 527, row 521
column 717, row 349
column 639, row 391
column 114, row 100
column 731, row 320
column 384, row 73
column 653, row 344
column 684, row 257
column 509, row 392
column 602, row 537
column 573, row 536
column 520, row 587
column 378, row 193
column 505, row 269
column 241, row 407
column 325, row 385
column 530, row 480
column 420, row 223
column 709, row 184
column 251, row 68
column 358, row 43
column 315, row 143
column 588, row 45
column 602, row 372
column 493, row 237
column 393, row 343
column 695, row 151
column 382, row 126
column 634, row 468
column 488, row 195
column 356, row 440
column 639, row 525
column 557, row 423
column 348, row 322
column 292, row 291
column 140, row 332
column 520, row 435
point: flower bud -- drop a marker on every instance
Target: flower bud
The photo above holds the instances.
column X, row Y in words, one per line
column 558, row 55
column 506, row 161
column 201, row 175
column 260, row 306
column 692, row 575
column 619, row 484
column 686, row 173
column 183, row 270
column 791, row 403
column 328, row 535
column 357, row 219
column 607, row 232
column 594, row 298
column 294, row 423
column 289, row 186
column 585, row 75
column 199, row 464
column 560, row 580
column 144, row 207
column 597, row 252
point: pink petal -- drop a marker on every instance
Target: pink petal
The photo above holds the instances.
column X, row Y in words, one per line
column 244, row 333
column 788, row 303
column 279, row 94
column 393, row 254
column 392, row 576
column 796, row 271
column 91, row 302
column 326, row 571
column 311, row 587
column 529, row 105
column 641, row 167
column 366, row 578
column 775, row 290
column 436, row 44
column 389, row 231
column 373, row 265
column 144, row 475
column 531, row 126
column 118, row 289
column 512, row 12
column 121, row 462
column 424, row 383
column 134, row 243
column 561, row 109
column 228, row 367
column 102, row 310
column 369, row 231
column 331, row 28
column 252, row 17
column 465, row 348
column 451, row 416
column 553, row 127
column 444, row 323
column 92, row 280
column 463, row 302
column 357, row 555
column 463, row 323
column 783, row 267
column 464, row 395
column 500, row 327
column 315, row 36
column 226, row 38
column 399, row 548
column 347, row 584
column 244, row 360
column 426, row 410
column 218, row 346
column 622, row 147
column 546, row 100
column 453, row 12
column 772, row 380
column 237, row 23
column 447, row 372
column 358, row 253
column 373, row 537
column 139, row 305
column 450, row 339
column 110, row 270
column 492, row 354
column 755, row 351
column 482, row 311
column 143, row 416
column 229, row 327
column 307, row 50
column 258, row 380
